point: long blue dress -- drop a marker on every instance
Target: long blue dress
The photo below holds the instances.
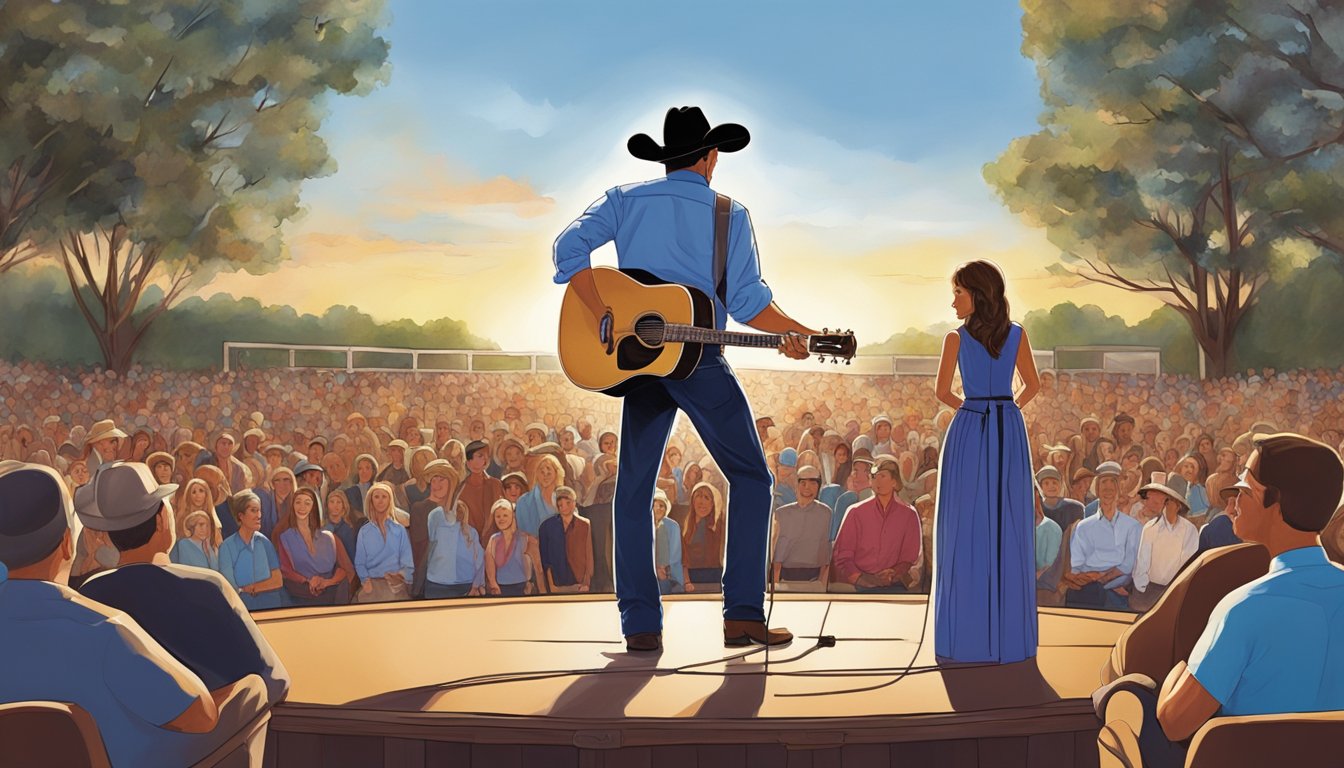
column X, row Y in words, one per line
column 984, row 598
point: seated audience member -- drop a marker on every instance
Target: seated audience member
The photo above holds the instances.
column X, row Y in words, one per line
column 1102, row 552
column 1168, row 541
column 441, row 482
column 1080, row 486
column 1193, row 468
column 198, row 541
column 229, row 466
column 878, row 547
column 1270, row 646
column 1218, row 531
column 248, row 559
column 702, row 541
column 596, row 507
column 785, row 492
column 1106, row 486
column 539, row 503
column 455, row 560
column 416, row 489
column 802, row 533
column 1048, row 539
column 366, row 467
column 160, row 465
column 149, row 707
column 478, row 490
column 395, row 474
column 338, row 521
column 666, row 547
column 218, row 641
column 860, row 488
column 315, row 566
column 1054, row 504
column 383, row 559
column 508, row 566
column 221, row 492
column 566, row 545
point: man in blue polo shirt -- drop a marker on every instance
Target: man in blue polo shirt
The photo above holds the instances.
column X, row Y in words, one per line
column 1267, row 647
column 667, row 227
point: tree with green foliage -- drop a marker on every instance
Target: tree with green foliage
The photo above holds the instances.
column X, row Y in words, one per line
column 1192, row 150
column 176, row 133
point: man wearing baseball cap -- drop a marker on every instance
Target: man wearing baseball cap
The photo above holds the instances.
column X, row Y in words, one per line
column 395, row 471
column 1054, row 505
column 61, row 646
column 218, row 641
column 1103, row 549
column 802, row 544
column 1270, row 646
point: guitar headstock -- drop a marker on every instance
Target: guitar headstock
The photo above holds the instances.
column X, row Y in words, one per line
column 839, row 345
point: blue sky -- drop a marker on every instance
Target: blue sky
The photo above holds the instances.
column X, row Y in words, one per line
column 502, row 120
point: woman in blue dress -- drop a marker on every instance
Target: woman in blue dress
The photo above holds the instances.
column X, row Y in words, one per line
column 984, row 597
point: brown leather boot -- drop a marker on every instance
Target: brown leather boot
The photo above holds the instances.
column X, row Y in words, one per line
column 644, row 642
column 741, row 633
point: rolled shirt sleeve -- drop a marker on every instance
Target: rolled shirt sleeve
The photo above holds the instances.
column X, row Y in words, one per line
column 594, row 228
column 747, row 293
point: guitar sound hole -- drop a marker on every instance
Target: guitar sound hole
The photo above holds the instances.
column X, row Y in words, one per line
column 649, row 329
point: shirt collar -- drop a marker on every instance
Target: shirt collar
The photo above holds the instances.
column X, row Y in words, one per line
column 690, row 176
column 1302, row 557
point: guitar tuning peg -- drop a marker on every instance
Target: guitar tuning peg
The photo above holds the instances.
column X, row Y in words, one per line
column 848, row 361
column 825, row 330
column 835, row 361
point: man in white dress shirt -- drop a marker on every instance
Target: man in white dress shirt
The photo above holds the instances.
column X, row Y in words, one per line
column 1168, row 541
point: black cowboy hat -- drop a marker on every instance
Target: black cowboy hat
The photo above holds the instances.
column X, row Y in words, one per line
column 687, row 132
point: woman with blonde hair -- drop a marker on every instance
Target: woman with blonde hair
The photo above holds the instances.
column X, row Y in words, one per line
column 383, row 558
column 455, row 563
column 338, row 521
column 315, row 566
column 539, row 503
column 456, row 453
column 277, row 499
column 416, row 489
column 702, row 540
column 508, row 566
column 365, row 473
column 198, row 538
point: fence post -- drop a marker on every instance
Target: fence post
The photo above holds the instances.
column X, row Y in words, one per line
column 291, row 358
column 349, row 360
column 226, row 357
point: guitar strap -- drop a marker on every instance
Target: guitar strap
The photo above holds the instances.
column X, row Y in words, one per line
column 723, row 207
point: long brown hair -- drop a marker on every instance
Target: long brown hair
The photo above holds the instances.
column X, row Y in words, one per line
column 290, row 520
column 989, row 322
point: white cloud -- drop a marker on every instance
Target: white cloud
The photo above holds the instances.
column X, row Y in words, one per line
column 505, row 109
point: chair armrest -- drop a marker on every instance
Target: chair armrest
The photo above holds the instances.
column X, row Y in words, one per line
column 1311, row 739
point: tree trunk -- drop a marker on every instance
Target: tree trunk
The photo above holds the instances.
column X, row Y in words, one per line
column 110, row 306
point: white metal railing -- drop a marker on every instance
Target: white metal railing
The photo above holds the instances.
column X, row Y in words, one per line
column 1109, row 359
column 537, row 362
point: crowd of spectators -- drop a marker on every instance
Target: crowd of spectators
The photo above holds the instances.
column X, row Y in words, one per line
column 313, row 487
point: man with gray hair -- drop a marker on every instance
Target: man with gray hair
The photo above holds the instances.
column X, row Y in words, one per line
column 61, row 646
column 220, row 642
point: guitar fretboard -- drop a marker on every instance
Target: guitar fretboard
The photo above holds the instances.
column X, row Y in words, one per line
column 698, row 335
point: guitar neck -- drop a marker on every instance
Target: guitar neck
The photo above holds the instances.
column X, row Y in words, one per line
column 699, row 335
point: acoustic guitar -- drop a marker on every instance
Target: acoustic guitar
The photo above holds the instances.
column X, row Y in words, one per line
column 655, row 329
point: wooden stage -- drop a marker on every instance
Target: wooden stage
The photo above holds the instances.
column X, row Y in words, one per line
column 542, row 682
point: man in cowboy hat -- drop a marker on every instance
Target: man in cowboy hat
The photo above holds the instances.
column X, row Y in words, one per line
column 1167, row 542
column 667, row 228
column 103, row 443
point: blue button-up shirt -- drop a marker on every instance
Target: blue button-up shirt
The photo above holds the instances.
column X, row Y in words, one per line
column 1272, row 646
column 667, row 548
column 1099, row 544
column 377, row 555
column 243, row 563
column 453, row 559
column 666, row 227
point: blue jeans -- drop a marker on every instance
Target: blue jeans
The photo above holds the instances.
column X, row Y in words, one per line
column 713, row 400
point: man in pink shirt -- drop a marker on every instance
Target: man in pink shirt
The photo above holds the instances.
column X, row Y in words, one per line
column 879, row 541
